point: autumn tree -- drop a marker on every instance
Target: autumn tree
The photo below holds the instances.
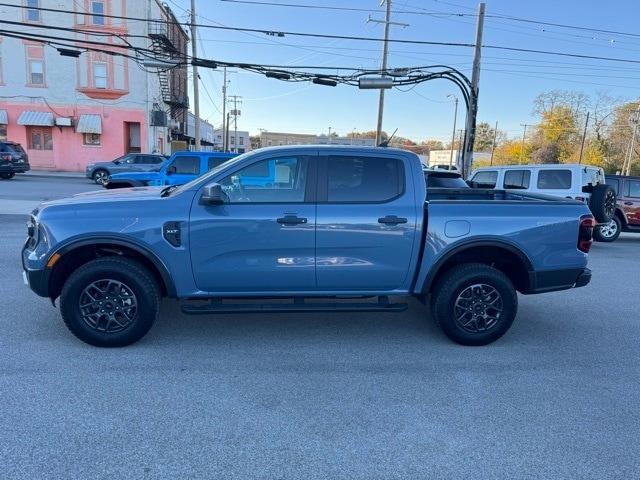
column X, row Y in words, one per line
column 484, row 137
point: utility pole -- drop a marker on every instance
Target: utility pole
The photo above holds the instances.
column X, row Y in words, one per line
column 524, row 134
column 196, row 96
column 493, row 147
column 383, row 67
column 227, row 133
column 460, row 144
column 453, row 135
column 236, row 100
column 329, row 138
column 473, row 101
column 224, row 111
column 584, row 137
column 634, row 119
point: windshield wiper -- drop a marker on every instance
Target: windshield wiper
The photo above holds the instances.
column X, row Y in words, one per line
column 166, row 191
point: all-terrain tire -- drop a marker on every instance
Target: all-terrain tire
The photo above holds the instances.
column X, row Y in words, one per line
column 603, row 203
column 123, row 288
column 7, row 175
column 479, row 296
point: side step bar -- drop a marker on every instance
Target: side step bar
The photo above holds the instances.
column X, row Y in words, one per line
column 299, row 305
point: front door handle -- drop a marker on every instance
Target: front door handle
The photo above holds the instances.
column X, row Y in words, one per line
column 628, row 203
column 392, row 220
column 291, row 220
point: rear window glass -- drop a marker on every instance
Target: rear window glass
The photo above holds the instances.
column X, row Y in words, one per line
column 442, row 181
column 13, row 147
column 554, row 179
column 213, row 162
column 364, row 179
column 187, row 165
column 517, row 179
column 486, row 179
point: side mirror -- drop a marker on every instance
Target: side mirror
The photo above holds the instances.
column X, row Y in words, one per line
column 472, row 184
column 213, row 195
column 171, row 170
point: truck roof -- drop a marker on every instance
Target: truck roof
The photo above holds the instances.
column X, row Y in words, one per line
column 546, row 166
column 349, row 148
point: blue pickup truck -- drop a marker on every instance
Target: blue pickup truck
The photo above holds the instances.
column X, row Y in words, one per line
column 181, row 167
column 359, row 225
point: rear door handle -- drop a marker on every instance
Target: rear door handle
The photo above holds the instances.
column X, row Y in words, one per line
column 291, row 220
column 392, row 220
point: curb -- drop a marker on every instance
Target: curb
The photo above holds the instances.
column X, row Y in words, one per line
column 45, row 174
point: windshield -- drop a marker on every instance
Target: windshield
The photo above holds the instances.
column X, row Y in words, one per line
column 119, row 159
column 211, row 172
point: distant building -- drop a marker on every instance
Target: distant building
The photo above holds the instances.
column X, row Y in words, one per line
column 441, row 157
column 66, row 111
column 272, row 139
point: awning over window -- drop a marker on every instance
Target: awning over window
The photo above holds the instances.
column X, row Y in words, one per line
column 4, row 118
column 39, row 119
column 89, row 124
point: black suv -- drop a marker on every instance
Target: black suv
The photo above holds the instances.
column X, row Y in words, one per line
column 13, row 159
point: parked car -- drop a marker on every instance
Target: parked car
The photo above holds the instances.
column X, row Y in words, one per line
column 13, row 159
column 583, row 183
column 182, row 167
column 131, row 162
column 350, row 222
column 627, row 214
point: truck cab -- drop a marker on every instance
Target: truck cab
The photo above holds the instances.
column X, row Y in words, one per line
column 180, row 168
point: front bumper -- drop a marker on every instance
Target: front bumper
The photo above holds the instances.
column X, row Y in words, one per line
column 37, row 279
column 14, row 167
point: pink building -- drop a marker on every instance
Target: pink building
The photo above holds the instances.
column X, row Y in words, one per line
column 67, row 111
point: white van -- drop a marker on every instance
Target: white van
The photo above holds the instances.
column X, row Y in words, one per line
column 581, row 182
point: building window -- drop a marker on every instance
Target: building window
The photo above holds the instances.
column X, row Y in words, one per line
column 241, row 140
column 91, row 139
column 3, row 132
column 33, row 15
column 233, row 140
column 35, row 64
column 39, row 138
column 100, row 75
column 97, row 8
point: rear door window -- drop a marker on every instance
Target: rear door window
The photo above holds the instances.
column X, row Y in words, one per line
column 614, row 183
column 486, row 178
column 517, row 179
column 634, row 188
column 445, row 181
column 553, row 179
column 364, row 179
column 186, row 164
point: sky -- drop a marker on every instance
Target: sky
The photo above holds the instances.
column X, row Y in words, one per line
column 509, row 80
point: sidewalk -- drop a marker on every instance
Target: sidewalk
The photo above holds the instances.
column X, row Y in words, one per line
column 49, row 173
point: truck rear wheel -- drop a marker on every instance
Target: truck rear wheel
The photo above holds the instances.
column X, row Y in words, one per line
column 475, row 304
column 110, row 302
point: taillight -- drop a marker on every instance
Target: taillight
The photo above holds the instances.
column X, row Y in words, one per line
column 585, row 234
column 6, row 157
column 580, row 199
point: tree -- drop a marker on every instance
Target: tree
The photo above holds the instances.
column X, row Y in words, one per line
column 511, row 152
column 484, row 137
column 558, row 127
column 576, row 101
column 547, row 153
column 618, row 139
column 432, row 145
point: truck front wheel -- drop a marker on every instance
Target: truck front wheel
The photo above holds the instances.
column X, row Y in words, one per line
column 475, row 304
column 110, row 302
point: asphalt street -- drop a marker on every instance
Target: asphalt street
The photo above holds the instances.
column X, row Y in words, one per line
column 324, row 396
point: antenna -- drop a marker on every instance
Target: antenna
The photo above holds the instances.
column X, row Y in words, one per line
column 386, row 142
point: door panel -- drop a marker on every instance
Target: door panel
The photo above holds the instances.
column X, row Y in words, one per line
column 263, row 238
column 366, row 226
column 632, row 202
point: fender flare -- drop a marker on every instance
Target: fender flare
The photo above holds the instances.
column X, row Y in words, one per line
column 470, row 244
column 143, row 250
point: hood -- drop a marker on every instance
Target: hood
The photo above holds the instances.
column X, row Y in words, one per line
column 115, row 195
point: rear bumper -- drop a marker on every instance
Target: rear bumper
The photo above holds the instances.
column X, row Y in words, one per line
column 554, row 280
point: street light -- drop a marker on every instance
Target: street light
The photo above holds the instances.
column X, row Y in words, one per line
column 453, row 135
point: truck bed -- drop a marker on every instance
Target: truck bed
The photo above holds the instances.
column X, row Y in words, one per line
column 490, row 194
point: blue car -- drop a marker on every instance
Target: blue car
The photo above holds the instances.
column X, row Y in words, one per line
column 180, row 168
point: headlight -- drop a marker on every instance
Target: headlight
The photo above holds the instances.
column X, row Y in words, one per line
column 33, row 232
